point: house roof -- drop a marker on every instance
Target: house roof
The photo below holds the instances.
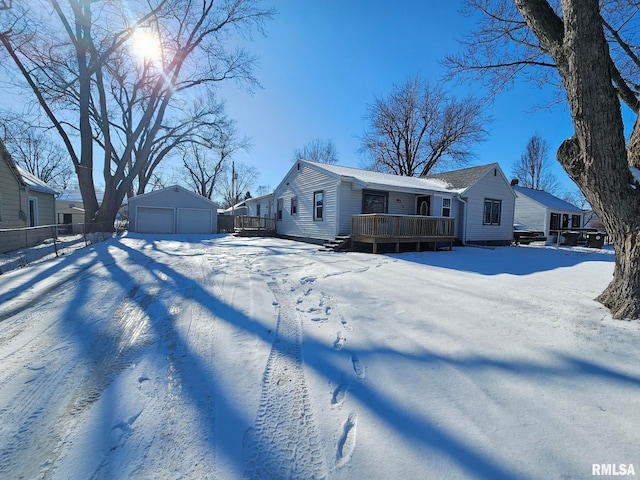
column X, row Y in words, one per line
column 75, row 196
column 369, row 179
column 176, row 188
column 34, row 183
column 545, row 199
column 464, row 178
column 6, row 156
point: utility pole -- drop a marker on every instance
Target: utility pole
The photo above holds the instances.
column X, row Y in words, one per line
column 233, row 188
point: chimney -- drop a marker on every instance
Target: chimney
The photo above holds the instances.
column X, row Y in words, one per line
column 514, row 182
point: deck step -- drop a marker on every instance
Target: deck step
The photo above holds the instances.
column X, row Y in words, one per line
column 340, row 242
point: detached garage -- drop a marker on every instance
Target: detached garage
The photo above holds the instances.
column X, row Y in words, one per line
column 172, row 210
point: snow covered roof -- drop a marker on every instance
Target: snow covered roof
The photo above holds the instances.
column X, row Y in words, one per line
column 34, row 183
column 369, row 179
column 546, row 199
column 464, row 178
column 75, row 196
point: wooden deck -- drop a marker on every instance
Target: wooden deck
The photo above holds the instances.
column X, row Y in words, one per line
column 255, row 226
column 380, row 228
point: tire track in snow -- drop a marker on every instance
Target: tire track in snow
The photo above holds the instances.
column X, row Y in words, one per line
column 177, row 387
column 285, row 442
column 70, row 380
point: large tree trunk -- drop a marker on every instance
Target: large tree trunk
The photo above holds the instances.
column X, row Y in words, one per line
column 596, row 157
column 622, row 294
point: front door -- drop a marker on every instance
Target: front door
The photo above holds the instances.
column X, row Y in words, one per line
column 423, row 205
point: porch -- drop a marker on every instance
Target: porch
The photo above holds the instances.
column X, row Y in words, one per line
column 246, row 226
column 380, row 228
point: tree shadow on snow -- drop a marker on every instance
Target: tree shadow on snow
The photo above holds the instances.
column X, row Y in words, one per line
column 512, row 260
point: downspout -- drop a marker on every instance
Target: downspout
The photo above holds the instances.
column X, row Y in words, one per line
column 464, row 219
column 338, row 211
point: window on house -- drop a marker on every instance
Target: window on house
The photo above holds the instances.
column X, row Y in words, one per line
column 554, row 222
column 565, row 220
column 257, row 209
column 294, row 205
column 492, row 209
column 318, row 205
column 279, row 208
column 576, row 221
column 375, row 202
column 446, row 207
column 33, row 211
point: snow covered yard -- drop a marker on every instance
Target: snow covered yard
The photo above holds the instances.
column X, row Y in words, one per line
column 227, row 358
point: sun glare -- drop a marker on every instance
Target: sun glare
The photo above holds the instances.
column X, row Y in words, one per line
column 146, row 45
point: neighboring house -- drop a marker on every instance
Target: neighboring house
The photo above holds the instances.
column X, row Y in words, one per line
column 261, row 206
column 316, row 202
column 25, row 201
column 70, row 209
column 172, row 210
column 540, row 210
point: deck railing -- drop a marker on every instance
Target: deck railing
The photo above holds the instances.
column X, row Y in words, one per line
column 255, row 223
column 382, row 228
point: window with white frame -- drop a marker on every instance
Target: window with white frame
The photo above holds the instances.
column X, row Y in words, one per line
column 33, row 211
column 446, row 207
column 280, row 206
column 318, row 205
column 294, row 205
column 492, row 210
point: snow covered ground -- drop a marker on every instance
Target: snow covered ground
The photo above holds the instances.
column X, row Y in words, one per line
column 192, row 357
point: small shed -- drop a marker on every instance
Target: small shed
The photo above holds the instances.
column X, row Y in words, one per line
column 172, row 210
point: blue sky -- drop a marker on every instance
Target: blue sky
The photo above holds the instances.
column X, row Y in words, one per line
column 323, row 61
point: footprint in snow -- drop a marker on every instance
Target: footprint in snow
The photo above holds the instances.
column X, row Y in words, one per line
column 339, row 394
column 347, row 442
column 339, row 343
column 358, row 367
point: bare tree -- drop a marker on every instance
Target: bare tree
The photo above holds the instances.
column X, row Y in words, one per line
column 85, row 68
column 38, row 154
column 533, row 169
column 205, row 164
column 322, row 151
column 236, row 182
column 591, row 47
column 417, row 127
column 199, row 125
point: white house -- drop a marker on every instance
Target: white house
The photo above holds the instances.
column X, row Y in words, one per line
column 70, row 210
column 261, row 206
column 316, row 202
column 545, row 212
column 172, row 210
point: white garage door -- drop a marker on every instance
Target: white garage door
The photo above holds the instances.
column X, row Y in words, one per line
column 154, row 220
column 191, row 220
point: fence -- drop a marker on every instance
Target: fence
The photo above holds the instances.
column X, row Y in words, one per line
column 225, row 223
column 22, row 246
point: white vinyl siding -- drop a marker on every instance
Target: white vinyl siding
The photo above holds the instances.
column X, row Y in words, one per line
column 537, row 216
column 302, row 183
column 493, row 186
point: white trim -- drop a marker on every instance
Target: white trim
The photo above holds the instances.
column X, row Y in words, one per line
column 35, row 218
